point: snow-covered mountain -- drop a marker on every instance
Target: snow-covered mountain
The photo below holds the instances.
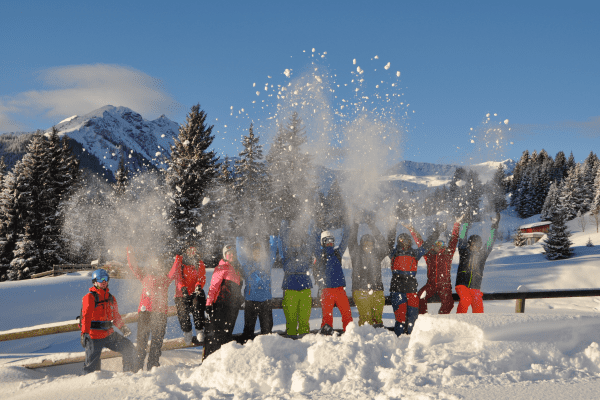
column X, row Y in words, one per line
column 413, row 176
column 110, row 131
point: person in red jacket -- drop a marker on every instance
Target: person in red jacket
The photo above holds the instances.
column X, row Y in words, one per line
column 152, row 311
column 439, row 263
column 99, row 313
column 189, row 273
column 224, row 301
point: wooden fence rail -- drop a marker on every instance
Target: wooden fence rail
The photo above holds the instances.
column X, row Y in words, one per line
column 520, row 297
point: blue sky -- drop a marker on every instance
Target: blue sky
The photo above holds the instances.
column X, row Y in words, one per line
column 535, row 64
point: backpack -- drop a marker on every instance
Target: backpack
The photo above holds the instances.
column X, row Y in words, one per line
column 105, row 325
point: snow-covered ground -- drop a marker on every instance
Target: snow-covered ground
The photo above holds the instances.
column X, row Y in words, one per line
column 550, row 352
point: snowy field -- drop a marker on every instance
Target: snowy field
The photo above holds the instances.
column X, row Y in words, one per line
column 550, row 352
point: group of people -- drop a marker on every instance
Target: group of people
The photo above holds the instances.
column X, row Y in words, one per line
column 247, row 264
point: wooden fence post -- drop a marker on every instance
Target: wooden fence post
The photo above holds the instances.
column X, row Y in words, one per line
column 520, row 306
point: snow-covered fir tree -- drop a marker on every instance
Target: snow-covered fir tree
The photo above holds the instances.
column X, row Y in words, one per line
column 557, row 244
column 552, row 201
column 495, row 190
column 520, row 239
column 588, row 173
column 121, row 178
column 251, row 187
column 192, row 170
column 571, row 196
column 289, row 169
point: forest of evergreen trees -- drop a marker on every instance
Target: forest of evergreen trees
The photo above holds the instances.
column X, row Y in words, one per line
column 209, row 200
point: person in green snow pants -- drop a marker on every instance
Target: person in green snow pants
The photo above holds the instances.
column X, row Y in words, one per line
column 295, row 251
column 297, row 305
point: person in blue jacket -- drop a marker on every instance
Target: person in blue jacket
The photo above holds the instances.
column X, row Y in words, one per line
column 295, row 250
column 330, row 278
column 256, row 267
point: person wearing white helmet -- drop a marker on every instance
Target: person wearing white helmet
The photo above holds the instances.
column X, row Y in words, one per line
column 224, row 301
column 99, row 313
column 330, row 278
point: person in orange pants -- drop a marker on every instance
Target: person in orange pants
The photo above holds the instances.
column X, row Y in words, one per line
column 470, row 267
column 330, row 278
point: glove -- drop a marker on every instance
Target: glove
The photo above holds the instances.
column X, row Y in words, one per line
column 198, row 290
column 84, row 337
column 210, row 310
column 125, row 331
column 185, row 293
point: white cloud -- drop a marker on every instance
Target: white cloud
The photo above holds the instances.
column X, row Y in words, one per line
column 79, row 89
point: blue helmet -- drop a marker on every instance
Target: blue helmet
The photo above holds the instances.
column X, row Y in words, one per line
column 100, row 275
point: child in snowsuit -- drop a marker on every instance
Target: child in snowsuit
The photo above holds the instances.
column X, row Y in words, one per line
column 224, row 301
column 99, row 313
column 153, row 308
column 330, row 278
column 403, row 288
column 189, row 273
column 295, row 250
column 257, row 291
column 473, row 256
column 439, row 263
column 367, row 285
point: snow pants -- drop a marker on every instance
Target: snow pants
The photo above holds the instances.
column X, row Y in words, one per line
column 261, row 310
column 370, row 306
column 444, row 290
column 114, row 342
column 297, row 305
column 469, row 297
column 219, row 329
column 194, row 304
column 332, row 297
column 150, row 324
column 406, row 311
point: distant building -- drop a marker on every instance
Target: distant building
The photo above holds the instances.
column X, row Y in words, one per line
column 534, row 232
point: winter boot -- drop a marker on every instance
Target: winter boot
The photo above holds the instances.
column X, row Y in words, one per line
column 326, row 330
column 187, row 337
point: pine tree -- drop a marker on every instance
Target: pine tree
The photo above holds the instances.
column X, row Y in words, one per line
column 520, row 239
column 289, row 171
column 587, row 177
column 121, row 177
column 335, row 207
column 557, row 244
column 192, row 171
column 251, row 186
column 570, row 194
column 560, row 167
column 552, row 201
column 496, row 190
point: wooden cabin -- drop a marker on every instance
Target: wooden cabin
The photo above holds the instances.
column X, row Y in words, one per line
column 534, row 232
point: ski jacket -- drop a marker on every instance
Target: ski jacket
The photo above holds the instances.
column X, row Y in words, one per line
column 328, row 262
column 257, row 275
column 404, row 262
column 439, row 263
column 155, row 287
column 225, row 285
column 187, row 276
column 472, row 263
column 366, row 267
column 106, row 310
column 296, row 261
